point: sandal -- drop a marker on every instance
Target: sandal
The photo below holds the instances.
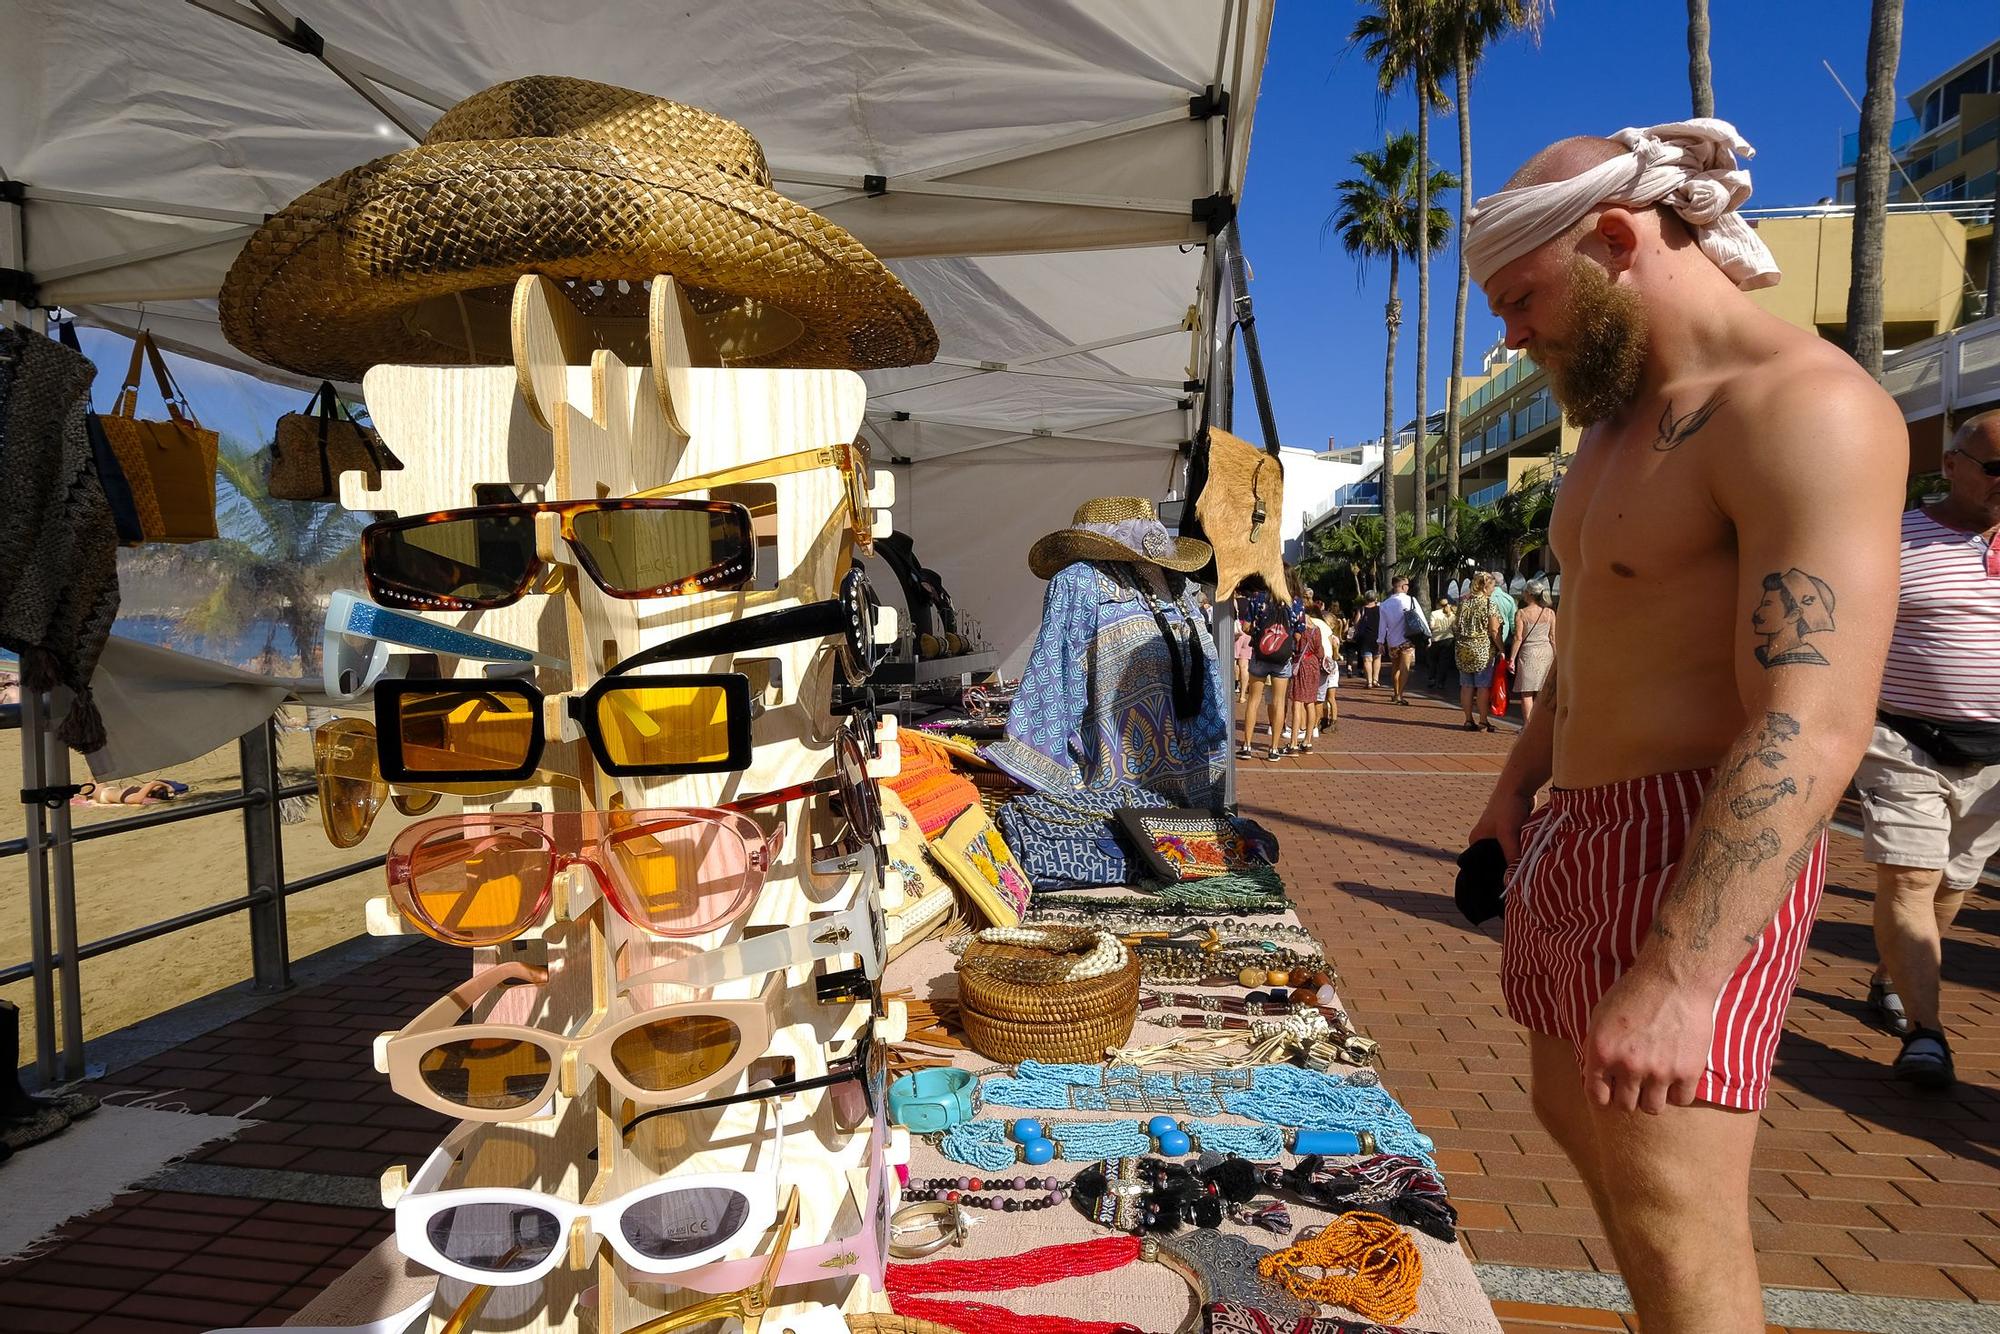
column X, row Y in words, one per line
column 1926, row 1060
column 1279, row 753
column 1305, row 750
column 1486, row 726
column 1888, row 1006
column 1245, row 753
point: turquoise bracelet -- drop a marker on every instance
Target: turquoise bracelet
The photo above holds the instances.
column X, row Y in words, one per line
column 928, row 1101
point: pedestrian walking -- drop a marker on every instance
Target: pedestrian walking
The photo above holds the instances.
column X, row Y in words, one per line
column 1403, row 625
column 1476, row 647
column 1444, row 633
column 1533, row 650
column 1368, row 634
column 1930, row 782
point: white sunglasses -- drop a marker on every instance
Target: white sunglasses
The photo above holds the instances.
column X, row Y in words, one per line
column 354, row 647
column 507, row 1237
column 860, row 930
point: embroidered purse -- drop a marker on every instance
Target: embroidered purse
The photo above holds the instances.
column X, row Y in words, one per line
column 977, row 859
column 1067, row 841
column 1176, row 844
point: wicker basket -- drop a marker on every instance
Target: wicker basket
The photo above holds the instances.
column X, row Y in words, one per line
column 1013, row 1021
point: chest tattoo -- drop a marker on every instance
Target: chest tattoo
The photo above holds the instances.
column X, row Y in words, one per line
column 1677, row 431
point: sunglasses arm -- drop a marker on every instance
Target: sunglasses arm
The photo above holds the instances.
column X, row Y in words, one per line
column 815, row 620
column 455, row 1004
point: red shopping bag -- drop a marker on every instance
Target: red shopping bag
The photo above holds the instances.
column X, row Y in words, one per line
column 1503, row 667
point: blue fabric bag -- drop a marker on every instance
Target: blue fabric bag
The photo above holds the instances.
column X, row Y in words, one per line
column 1071, row 841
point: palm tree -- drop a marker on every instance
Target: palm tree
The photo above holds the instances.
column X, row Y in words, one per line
column 1474, row 24
column 1701, row 79
column 1871, row 186
column 274, row 563
column 1377, row 216
column 1400, row 38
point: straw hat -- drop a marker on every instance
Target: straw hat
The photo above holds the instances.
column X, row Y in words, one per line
column 1121, row 528
column 412, row 258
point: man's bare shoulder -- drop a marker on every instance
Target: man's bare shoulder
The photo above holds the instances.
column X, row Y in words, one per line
column 1806, row 400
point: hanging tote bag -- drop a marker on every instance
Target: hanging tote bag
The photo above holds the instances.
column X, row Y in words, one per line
column 169, row 465
column 313, row 448
column 110, row 476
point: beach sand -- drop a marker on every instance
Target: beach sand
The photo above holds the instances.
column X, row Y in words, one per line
column 138, row 878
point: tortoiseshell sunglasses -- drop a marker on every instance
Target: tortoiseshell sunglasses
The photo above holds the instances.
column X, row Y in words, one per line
column 483, row 557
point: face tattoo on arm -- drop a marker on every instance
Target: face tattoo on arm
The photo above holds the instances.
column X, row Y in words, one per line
column 1796, row 604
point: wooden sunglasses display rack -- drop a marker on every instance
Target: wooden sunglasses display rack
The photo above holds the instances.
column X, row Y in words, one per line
column 569, row 422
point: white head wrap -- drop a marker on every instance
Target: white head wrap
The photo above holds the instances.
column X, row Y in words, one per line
column 1690, row 166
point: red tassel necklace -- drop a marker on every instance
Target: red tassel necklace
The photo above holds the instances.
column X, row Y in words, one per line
column 1049, row 1264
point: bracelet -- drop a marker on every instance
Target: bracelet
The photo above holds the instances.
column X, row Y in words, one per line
column 944, row 1215
column 931, row 1100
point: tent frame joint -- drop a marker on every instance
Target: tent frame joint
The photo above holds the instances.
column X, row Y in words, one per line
column 19, row 285
column 13, row 192
column 306, row 38
column 874, row 185
column 1215, row 212
column 1209, row 103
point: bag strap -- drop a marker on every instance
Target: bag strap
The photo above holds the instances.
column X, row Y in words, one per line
column 128, row 397
column 327, row 406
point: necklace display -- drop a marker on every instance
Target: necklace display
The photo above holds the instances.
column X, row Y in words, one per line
column 1404, row 1188
column 993, row 1146
column 1047, row 1192
column 1152, row 1196
column 1261, row 1004
column 1084, row 910
column 1366, row 1263
column 1224, row 967
column 1220, row 1269
column 1276, row 1095
column 1080, row 953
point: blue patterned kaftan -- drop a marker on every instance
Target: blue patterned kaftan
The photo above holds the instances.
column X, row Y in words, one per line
column 1095, row 708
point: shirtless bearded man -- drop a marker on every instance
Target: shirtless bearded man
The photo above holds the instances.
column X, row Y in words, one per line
column 1727, row 532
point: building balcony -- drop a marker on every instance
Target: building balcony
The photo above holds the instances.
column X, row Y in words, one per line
column 1486, row 495
column 1901, row 134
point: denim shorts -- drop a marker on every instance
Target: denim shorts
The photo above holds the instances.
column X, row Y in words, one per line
column 1258, row 667
column 1476, row 679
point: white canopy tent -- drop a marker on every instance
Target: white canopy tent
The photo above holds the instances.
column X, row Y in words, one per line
column 1046, row 175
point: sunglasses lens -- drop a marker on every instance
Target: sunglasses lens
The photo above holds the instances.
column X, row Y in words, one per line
column 679, row 876
column 664, row 551
column 681, row 1223
column 350, row 793
column 415, row 803
column 478, row 884
column 676, row 1053
column 484, row 561
column 494, row 1238
column 475, row 731
column 487, row 1074
column 667, row 729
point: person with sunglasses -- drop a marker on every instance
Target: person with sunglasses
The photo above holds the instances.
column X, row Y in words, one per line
column 1930, row 783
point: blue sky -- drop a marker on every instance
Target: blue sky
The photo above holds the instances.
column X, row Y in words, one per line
column 1600, row 66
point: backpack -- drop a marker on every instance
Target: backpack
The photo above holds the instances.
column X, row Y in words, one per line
column 1275, row 643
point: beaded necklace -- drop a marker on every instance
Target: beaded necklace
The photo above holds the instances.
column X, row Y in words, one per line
column 1276, row 1095
column 993, row 1146
column 1366, row 1264
column 1082, row 909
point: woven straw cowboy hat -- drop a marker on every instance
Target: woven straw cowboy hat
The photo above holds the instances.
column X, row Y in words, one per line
column 412, row 258
column 1122, row 528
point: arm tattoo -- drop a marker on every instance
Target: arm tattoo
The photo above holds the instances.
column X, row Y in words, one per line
column 1761, row 798
column 1716, row 852
column 1793, row 868
column 1676, row 431
column 1795, row 604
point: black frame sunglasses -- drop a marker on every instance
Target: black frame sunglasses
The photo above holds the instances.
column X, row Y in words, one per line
column 583, row 709
column 868, row 1063
column 851, row 615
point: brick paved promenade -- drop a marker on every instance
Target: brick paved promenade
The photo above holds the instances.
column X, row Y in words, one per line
column 1865, row 1193
column 1877, row 1209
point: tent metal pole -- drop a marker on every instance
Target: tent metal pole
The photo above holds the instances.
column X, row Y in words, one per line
column 1246, row 320
column 265, row 25
column 161, row 208
column 165, row 248
column 264, row 859
column 34, row 722
column 1222, row 340
column 62, row 883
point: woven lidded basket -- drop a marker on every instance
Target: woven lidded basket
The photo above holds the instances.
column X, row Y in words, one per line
column 1009, row 1015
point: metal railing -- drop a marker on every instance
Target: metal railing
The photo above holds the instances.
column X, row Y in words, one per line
column 56, row 956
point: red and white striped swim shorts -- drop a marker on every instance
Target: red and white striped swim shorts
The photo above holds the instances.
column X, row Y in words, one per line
column 1594, row 863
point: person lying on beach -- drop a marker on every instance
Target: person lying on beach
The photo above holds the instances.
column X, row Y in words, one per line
column 148, row 793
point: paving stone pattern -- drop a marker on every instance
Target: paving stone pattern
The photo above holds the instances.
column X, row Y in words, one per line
column 1860, row 1185
column 168, row 1262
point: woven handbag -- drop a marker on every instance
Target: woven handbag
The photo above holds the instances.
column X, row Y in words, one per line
column 313, row 448
column 169, row 465
column 110, row 475
column 1067, row 841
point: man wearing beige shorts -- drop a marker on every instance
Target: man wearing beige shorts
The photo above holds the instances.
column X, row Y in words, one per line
column 1930, row 783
